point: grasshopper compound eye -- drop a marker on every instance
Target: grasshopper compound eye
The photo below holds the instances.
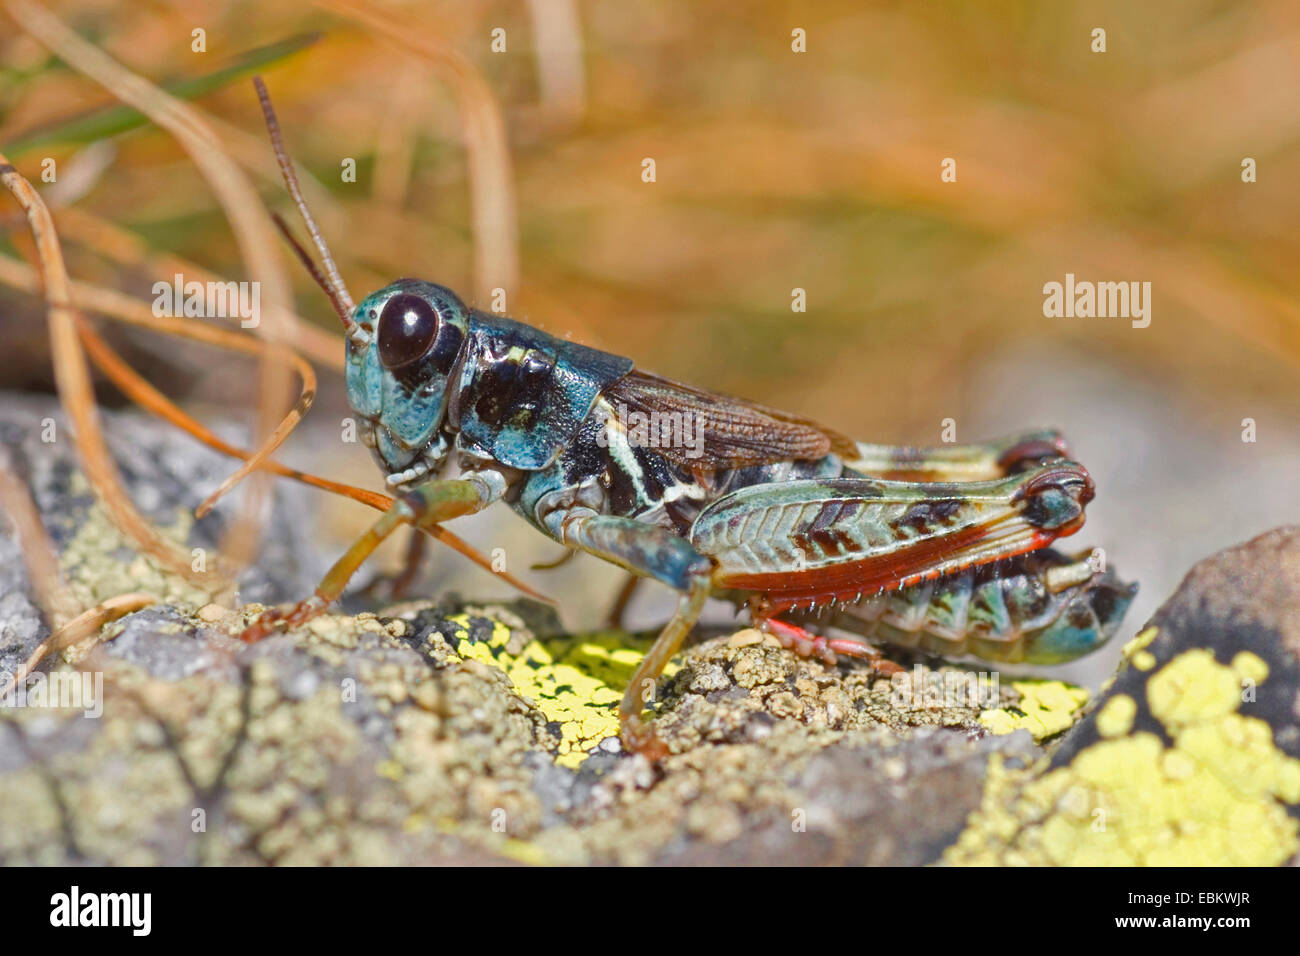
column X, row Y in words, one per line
column 407, row 327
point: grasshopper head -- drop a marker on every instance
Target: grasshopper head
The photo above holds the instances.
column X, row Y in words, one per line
column 402, row 353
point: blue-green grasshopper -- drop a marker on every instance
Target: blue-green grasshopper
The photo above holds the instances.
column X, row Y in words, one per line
column 711, row 495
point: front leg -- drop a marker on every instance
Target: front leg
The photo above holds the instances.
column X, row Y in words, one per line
column 429, row 504
column 649, row 551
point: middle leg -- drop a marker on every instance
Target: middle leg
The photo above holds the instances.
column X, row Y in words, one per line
column 649, row 551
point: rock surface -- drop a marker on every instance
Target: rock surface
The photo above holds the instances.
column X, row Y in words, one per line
column 453, row 733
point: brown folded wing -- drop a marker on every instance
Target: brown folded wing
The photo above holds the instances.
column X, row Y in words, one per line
column 735, row 433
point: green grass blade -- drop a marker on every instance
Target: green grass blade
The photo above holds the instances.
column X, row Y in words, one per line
column 112, row 120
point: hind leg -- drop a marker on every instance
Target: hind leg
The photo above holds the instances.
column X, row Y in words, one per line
column 806, row 643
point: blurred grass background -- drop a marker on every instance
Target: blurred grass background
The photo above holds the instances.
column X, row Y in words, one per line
column 776, row 170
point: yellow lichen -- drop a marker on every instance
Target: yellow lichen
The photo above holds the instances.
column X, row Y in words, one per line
column 575, row 681
column 1250, row 667
column 1140, row 642
column 521, row 851
column 1190, row 688
column 1045, row 708
column 1116, row 718
column 1218, row 795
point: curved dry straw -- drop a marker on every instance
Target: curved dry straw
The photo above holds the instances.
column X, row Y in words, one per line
column 39, row 553
column 330, row 281
column 67, row 626
column 494, row 231
column 80, row 628
column 248, row 222
column 125, row 248
column 72, row 379
column 492, row 193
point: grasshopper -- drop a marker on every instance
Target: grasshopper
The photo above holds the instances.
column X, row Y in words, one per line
column 945, row 548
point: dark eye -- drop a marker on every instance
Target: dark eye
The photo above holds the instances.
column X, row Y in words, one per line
column 407, row 328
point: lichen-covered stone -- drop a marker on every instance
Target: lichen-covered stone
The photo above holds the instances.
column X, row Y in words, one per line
column 1192, row 755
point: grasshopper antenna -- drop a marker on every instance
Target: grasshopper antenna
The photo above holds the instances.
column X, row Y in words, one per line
column 330, row 281
column 303, row 255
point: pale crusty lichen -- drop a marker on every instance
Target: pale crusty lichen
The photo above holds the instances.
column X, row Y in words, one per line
column 99, row 562
column 279, row 767
column 1218, row 794
column 705, row 794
